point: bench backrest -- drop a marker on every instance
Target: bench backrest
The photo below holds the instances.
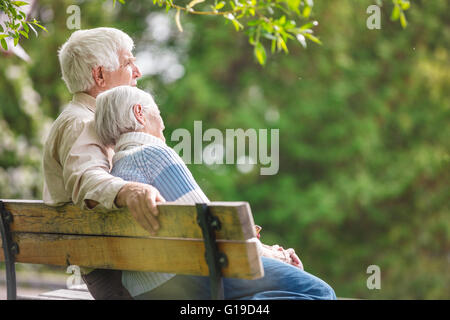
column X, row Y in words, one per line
column 105, row 239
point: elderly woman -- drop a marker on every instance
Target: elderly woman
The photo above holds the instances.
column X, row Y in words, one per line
column 129, row 119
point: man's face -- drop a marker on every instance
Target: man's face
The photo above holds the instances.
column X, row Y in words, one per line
column 127, row 73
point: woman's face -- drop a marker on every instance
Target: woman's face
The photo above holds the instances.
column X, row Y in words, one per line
column 154, row 124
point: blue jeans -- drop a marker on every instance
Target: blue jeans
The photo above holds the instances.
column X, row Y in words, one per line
column 281, row 281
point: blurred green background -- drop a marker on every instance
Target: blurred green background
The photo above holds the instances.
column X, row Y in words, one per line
column 363, row 119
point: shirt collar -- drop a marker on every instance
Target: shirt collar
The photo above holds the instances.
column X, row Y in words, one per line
column 132, row 140
column 85, row 100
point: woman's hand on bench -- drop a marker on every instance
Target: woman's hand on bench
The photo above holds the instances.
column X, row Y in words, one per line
column 286, row 255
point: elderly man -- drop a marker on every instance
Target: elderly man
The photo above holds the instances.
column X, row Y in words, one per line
column 129, row 119
column 76, row 164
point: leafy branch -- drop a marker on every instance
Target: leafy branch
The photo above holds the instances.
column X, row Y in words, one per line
column 271, row 21
column 16, row 23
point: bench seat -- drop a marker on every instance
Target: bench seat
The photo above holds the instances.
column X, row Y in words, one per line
column 222, row 232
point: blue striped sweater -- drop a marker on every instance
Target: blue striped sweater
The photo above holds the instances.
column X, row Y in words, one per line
column 141, row 157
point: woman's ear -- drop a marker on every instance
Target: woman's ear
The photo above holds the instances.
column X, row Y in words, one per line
column 97, row 74
column 139, row 113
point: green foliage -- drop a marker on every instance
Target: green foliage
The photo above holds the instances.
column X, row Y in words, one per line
column 16, row 25
column 363, row 120
column 274, row 21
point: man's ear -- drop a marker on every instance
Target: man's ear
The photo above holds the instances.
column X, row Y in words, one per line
column 97, row 74
column 139, row 113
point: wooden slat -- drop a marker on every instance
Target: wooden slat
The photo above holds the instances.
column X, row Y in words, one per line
column 181, row 256
column 176, row 220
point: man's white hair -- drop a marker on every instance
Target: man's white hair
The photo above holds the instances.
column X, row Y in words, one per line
column 87, row 49
column 114, row 112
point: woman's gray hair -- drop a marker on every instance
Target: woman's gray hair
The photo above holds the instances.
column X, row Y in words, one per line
column 114, row 112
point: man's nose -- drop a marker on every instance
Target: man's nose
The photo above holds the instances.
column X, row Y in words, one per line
column 136, row 72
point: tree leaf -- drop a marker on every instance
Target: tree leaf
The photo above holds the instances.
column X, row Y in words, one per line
column 24, row 33
column 4, row 44
column 403, row 21
column 23, row 15
column 220, row 5
column 42, row 27
column 306, row 11
column 312, row 38
column 19, row 3
column 260, row 53
column 25, row 27
column 395, row 13
column 308, row 25
column 268, row 36
column 281, row 44
column 237, row 25
column 405, row 5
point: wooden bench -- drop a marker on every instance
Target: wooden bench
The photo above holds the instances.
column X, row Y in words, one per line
column 215, row 239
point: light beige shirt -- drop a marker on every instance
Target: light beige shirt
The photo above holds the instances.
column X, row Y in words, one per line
column 76, row 165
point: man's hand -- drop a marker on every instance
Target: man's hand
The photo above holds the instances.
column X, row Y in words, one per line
column 141, row 200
